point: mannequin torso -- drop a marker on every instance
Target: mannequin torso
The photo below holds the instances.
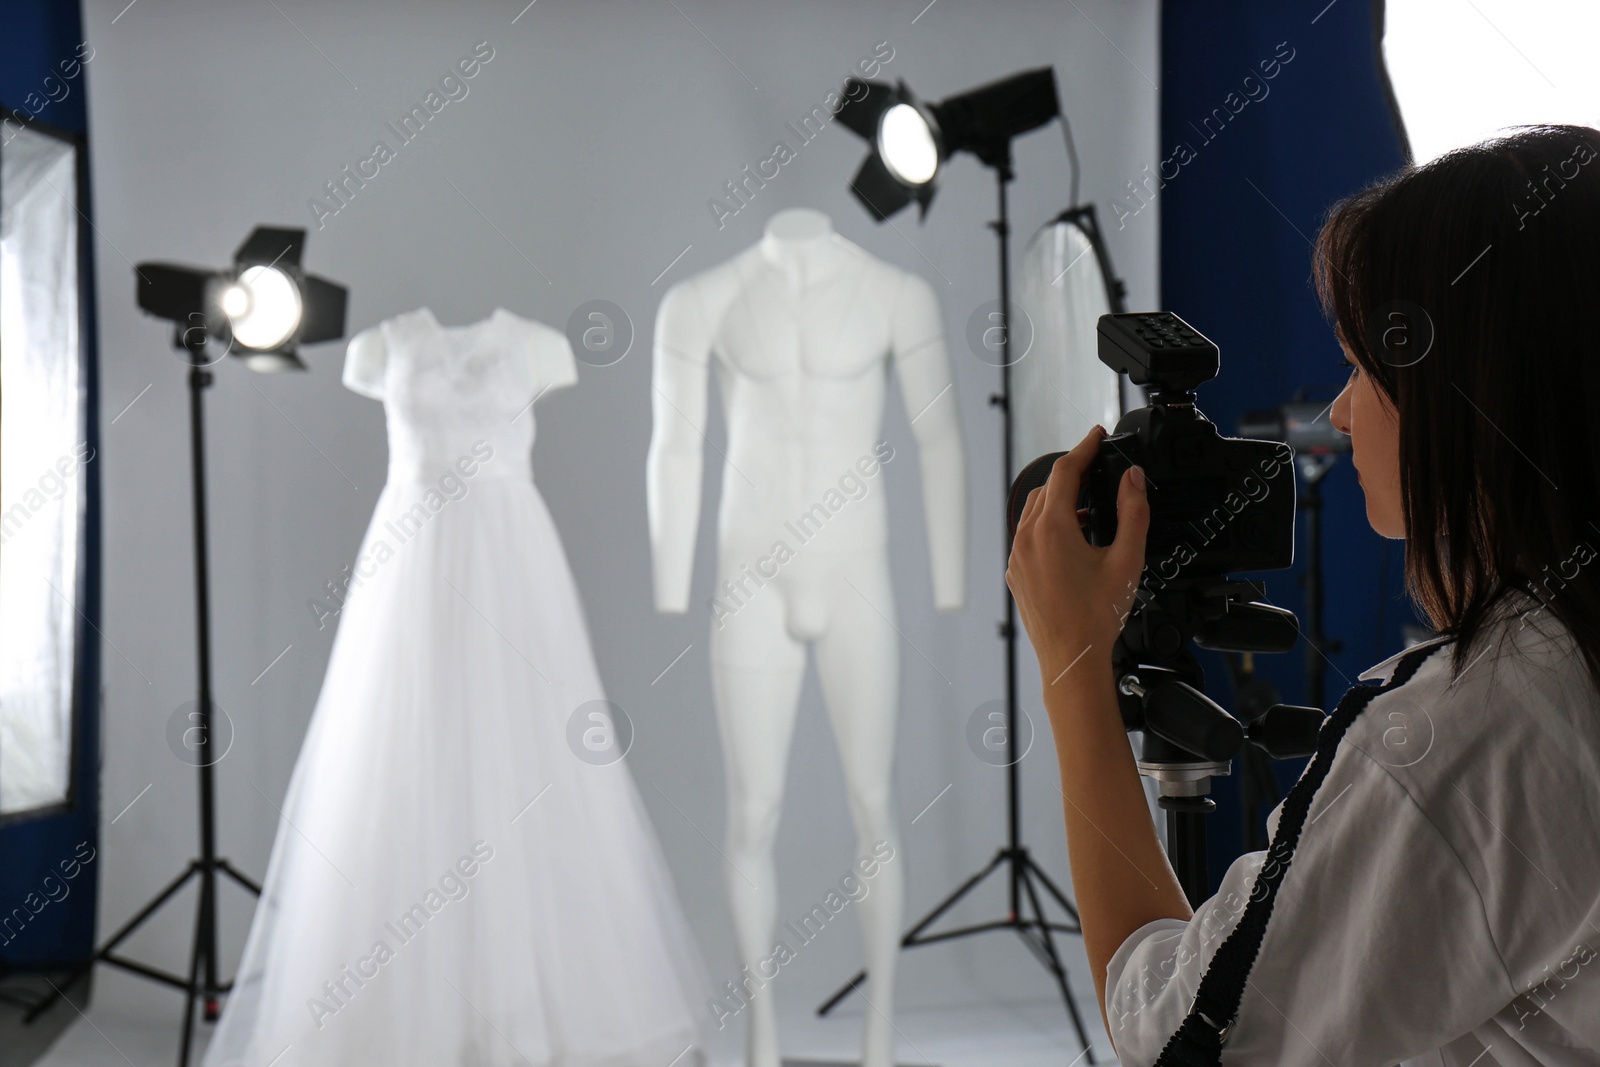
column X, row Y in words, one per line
column 803, row 327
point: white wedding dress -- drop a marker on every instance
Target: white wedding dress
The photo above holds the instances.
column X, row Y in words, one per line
column 460, row 879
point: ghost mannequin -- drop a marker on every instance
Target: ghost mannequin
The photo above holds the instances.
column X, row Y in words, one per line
column 804, row 326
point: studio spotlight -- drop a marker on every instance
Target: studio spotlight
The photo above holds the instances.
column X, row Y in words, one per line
column 261, row 309
column 911, row 139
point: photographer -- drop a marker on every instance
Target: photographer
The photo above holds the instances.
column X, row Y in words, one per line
column 1442, row 903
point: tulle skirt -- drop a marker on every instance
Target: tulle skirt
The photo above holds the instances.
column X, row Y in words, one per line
column 460, row 879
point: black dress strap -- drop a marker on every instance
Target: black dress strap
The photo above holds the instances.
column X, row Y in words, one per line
column 1198, row 1042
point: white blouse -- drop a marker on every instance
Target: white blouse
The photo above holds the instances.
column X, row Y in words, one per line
column 1443, row 906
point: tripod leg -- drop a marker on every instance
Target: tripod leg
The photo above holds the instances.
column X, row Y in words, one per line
column 194, row 973
column 1056, row 966
column 227, row 868
column 1061, row 898
column 856, row 981
column 952, row 900
column 209, row 1005
column 132, row 924
column 110, row 946
column 910, row 940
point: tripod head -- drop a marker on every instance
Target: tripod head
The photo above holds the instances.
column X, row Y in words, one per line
column 1188, row 737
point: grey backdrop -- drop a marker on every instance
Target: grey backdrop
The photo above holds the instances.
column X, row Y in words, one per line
column 577, row 167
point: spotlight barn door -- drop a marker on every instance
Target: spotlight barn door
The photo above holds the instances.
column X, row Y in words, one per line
column 47, row 674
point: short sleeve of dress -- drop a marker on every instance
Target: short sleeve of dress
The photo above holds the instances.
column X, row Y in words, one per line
column 540, row 359
column 557, row 368
column 365, row 361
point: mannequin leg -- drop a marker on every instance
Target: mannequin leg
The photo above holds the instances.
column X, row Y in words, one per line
column 755, row 713
column 858, row 660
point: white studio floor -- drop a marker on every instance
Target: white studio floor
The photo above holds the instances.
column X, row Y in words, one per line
column 1031, row 1034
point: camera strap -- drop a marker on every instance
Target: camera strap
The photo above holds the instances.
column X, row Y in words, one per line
column 1198, row 1042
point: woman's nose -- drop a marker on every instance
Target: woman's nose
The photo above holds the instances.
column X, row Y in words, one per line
column 1339, row 413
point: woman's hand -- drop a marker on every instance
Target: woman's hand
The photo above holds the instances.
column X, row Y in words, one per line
column 1073, row 597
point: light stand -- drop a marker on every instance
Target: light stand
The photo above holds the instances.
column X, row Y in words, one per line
column 193, row 300
column 984, row 122
column 1313, row 468
column 202, row 981
column 1305, row 427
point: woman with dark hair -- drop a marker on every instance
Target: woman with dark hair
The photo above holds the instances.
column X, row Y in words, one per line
column 1433, row 887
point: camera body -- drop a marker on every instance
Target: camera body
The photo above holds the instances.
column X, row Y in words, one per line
column 1217, row 504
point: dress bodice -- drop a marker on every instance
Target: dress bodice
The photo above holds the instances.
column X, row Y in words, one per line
column 459, row 395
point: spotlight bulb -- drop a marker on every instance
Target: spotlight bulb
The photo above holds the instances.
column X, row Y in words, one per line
column 235, row 301
column 905, row 141
column 268, row 307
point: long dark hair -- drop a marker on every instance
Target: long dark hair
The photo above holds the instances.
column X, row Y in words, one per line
column 1464, row 288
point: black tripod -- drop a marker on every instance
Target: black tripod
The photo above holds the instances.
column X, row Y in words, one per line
column 1026, row 914
column 1189, row 738
column 202, row 982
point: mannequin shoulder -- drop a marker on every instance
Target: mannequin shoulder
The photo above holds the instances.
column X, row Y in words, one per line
column 878, row 279
column 694, row 307
column 366, row 359
column 913, row 305
column 909, row 290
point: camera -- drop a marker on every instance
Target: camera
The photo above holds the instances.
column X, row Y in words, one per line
column 1217, row 504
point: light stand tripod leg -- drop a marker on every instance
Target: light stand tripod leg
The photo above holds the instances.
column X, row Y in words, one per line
column 201, row 912
column 211, row 1008
column 1054, row 964
column 910, row 940
column 1061, row 898
column 227, row 868
column 116, row 939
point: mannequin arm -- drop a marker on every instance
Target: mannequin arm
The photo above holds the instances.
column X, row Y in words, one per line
column 675, row 463
column 930, row 398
